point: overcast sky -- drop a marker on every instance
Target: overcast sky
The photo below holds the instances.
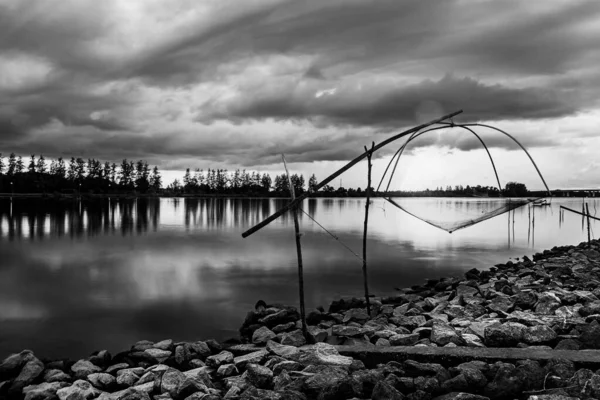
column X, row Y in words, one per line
column 233, row 84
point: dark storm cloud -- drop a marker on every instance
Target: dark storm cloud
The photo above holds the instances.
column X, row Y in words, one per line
column 383, row 104
column 94, row 77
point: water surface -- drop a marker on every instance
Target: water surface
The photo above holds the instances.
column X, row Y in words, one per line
column 78, row 276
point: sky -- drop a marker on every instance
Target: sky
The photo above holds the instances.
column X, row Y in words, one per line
column 234, row 84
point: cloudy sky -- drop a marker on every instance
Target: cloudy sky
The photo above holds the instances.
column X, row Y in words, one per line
column 233, row 84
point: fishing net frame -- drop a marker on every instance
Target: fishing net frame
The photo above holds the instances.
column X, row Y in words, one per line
column 452, row 227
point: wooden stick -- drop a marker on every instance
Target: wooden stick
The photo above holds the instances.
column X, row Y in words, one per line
column 340, row 171
column 577, row 212
column 369, row 165
column 298, row 251
column 587, row 209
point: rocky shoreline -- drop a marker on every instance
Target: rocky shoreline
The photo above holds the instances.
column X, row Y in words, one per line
column 549, row 303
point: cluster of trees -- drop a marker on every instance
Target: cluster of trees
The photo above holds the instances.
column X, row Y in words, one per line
column 76, row 175
column 512, row 189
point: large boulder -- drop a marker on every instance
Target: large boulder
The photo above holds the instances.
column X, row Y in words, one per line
column 82, row 368
column 259, row 376
column 169, row 382
column 262, row 335
column 29, row 373
column 11, row 366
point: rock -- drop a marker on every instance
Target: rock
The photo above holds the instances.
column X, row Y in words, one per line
column 324, row 354
column 294, row 338
column 356, row 314
column 551, row 397
column 116, row 367
column 533, row 374
column 166, row 345
column 158, row 354
column 416, row 369
column 127, row 377
column 227, row 370
column 382, row 342
column 590, row 309
column 224, row 357
column 504, row 335
column 189, row 386
column 458, row 383
column 478, row 328
column 559, row 373
column 11, row 366
column 323, row 376
column 539, row 334
column 290, row 352
column 170, row 382
column 347, row 330
column 262, row 335
column 404, row 340
column 442, row 334
column 43, row 391
column 260, row 376
column 29, row 373
column 283, row 327
column 547, row 303
column 102, row 381
column 251, row 358
column 508, row 383
column 55, row 375
column 385, row 391
column 79, row 390
column 320, row 335
column 590, row 336
column 525, row 300
column 472, row 340
column 82, row 368
column 461, row 396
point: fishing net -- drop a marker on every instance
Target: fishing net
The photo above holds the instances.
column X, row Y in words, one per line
column 452, row 214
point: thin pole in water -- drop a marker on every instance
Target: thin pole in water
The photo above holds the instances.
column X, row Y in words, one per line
column 588, row 221
column 369, row 165
column 298, row 251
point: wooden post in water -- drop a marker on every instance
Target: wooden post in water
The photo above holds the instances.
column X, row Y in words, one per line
column 298, row 251
column 587, row 209
column 369, row 155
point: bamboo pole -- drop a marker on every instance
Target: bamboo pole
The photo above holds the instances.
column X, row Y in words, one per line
column 587, row 209
column 298, row 252
column 369, row 166
column 577, row 212
column 340, row 171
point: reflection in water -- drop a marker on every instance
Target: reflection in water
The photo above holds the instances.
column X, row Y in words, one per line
column 77, row 276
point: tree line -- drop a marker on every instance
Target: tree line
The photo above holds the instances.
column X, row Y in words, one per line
column 36, row 175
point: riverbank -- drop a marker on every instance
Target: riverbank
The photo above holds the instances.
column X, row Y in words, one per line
column 544, row 310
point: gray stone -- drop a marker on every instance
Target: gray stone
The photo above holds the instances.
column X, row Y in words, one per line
column 262, row 335
column 169, row 382
column 189, row 386
column 11, row 366
column 127, row 377
column 404, row 340
column 547, row 303
column 259, row 376
column 539, row 334
column 158, row 354
column 356, row 314
column 79, row 390
column 323, row 354
column 224, row 357
column 290, row 352
column 30, row 371
column 116, row 367
column 102, row 380
column 251, row 358
column 227, row 370
column 347, row 330
column 294, row 338
column 504, row 335
column 442, row 334
column 82, row 368
column 43, row 391
column 55, row 375
column 164, row 345
column 284, row 327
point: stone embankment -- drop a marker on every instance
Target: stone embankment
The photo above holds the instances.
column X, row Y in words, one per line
column 441, row 340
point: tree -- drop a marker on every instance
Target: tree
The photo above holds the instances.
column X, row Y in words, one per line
column 61, row 169
column 12, row 164
column 155, row 179
column 298, row 183
column 312, row 183
column 80, row 169
column 72, row 171
column 31, row 167
column 1, row 164
column 187, row 178
column 41, row 165
column 113, row 173
column 515, row 189
column 142, row 182
column 266, row 181
column 20, row 165
column 106, row 171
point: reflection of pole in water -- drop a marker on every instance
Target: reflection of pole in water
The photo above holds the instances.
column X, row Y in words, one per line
column 528, row 223
column 588, row 221
column 533, row 228
column 513, row 232
column 582, row 214
column 508, row 229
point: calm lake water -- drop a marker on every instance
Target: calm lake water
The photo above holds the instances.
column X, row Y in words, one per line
column 102, row 274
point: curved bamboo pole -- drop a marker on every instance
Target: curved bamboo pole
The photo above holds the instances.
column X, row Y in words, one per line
column 416, row 135
column 517, row 142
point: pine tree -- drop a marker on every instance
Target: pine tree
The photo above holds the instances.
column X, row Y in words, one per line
column 155, row 179
column 106, row 171
column 20, row 165
column 12, row 164
column 31, row 168
column 41, row 165
column 61, row 169
column 72, row 171
column 266, row 181
column 312, row 183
